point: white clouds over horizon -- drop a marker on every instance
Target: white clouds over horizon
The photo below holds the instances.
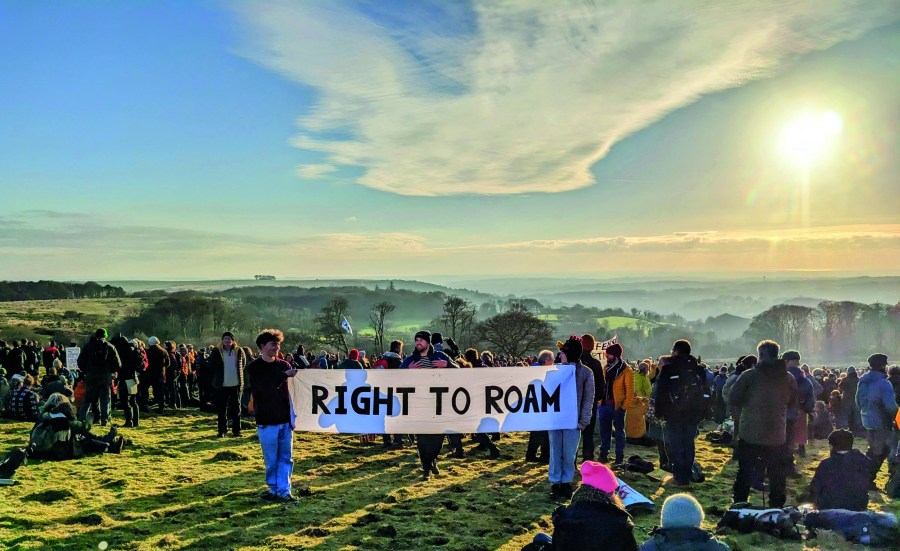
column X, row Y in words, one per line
column 78, row 246
column 534, row 93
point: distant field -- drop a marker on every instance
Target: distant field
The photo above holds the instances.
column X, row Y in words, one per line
column 37, row 312
column 613, row 322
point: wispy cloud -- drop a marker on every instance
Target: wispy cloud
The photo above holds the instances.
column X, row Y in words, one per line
column 522, row 96
column 312, row 172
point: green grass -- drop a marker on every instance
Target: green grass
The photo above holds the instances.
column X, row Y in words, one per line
column 178, row 487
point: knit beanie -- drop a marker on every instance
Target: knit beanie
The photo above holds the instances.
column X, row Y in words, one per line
column 841, row 439
column 598, row 475
column 572, row 349
column 228, row 334
column 101, row 333
column 681, row 511
column 354, row 354
column 615, row 349
column 437, row 338
column 424, row 335
column 791, row 355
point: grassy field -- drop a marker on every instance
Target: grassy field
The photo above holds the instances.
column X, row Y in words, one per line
column 70, row 314
column 178, row 487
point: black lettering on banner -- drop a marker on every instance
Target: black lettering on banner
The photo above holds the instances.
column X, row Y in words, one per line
column 320, row 394
column 387, row 402
column 518, row 405
column 405, row 391
column 438, row 391
column 549, row 400
column 360, row 405
column 492, row 395
column 531, row 401
column 340, row 409
column 465, row 408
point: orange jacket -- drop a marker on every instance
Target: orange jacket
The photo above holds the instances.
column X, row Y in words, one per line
column 623, row 388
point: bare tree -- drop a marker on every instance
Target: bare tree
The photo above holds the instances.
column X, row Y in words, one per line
column 376, row 320
column 516, row 331
column 458, row 315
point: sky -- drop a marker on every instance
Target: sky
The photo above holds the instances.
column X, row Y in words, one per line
column 222, row 139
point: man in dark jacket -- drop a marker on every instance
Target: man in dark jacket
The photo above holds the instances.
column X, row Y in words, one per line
column 98, row 362
column 878, row 408
column 267, row 377
column 843, row 479
column 132, row 363
column 392, row 360
column 226, row 364
column 14, row 362
column 798, row 415
column 763, row 395
column 681, row 398
column 589, row 343
column 426, row 357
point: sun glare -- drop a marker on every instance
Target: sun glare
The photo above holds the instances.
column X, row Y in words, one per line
column 809, row 135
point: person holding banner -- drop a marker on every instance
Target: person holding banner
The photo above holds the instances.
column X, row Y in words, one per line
column 267, row 376
column 424, row 356
column 564, row 442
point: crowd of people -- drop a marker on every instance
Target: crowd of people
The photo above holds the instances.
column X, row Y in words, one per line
column 769, row 404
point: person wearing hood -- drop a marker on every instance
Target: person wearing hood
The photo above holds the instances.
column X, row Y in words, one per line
column 878, row 407
column 424, row 356
column 98, row 362
column 798, row 417
column 596, row 518
column 763, row 394
column 564, row 442
column 743, row 364
column 680, row 518
column 588, row 447
column 351, row 361
column 842, row 480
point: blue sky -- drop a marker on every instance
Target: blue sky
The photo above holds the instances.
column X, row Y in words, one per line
column 209, row 139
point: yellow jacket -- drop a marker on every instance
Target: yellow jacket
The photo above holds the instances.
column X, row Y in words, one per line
column 642, row 387
column 623, row 388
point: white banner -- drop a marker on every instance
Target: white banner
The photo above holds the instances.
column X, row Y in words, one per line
column 72, row 354
column 601, row 346
column 434, row 401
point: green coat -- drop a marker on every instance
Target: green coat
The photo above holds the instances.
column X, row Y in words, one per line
column 763, row 395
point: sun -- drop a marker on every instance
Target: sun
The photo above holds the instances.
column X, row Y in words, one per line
column 809, row 136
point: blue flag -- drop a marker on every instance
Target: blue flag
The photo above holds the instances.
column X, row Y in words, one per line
column 346, row 326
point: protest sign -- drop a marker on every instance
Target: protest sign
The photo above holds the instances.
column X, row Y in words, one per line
column 601, row 346
column 434, row 401
column 72, row 354
column 632, row 499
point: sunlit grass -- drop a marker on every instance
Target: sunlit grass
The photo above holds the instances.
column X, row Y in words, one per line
column 178, row 487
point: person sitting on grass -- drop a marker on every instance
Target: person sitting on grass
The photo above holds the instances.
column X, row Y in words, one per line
column 58, row 434
column 680, row 517
column 24, row 401
column 843, row 479
column 596, row 518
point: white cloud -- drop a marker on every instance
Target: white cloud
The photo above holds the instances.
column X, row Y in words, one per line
column 315, row 171
column 537, row 94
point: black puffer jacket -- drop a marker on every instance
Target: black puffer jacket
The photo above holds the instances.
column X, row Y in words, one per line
column 594, row 520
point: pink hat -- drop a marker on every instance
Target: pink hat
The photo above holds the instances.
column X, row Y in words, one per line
column 599, row 476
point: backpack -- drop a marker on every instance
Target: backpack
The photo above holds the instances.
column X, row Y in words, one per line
column 687, row 393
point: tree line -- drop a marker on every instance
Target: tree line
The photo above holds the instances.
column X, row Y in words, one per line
column 52, row 290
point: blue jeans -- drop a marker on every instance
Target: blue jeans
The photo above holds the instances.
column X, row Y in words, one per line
column 679, row 437
column 93, row 393
column 563, row 449
column 609, row 418
column 277, row 443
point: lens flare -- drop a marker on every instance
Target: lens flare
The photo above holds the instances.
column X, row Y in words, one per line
column 808, row 136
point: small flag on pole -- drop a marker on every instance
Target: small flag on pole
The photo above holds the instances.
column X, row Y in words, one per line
column 346, row 326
